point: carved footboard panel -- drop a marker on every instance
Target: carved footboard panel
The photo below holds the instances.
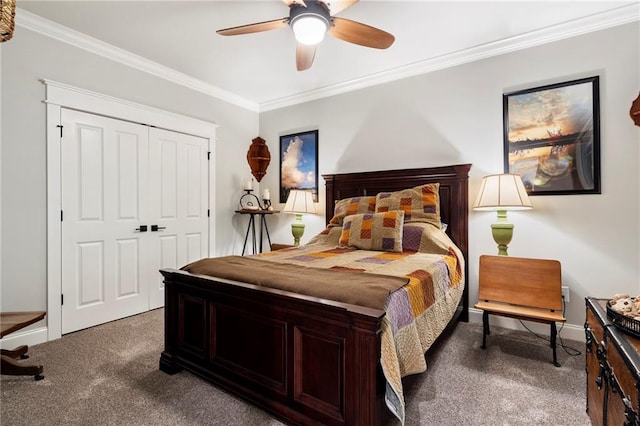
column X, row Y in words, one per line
column 304, row 360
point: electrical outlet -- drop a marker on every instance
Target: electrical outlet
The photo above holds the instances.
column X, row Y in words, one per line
column 565, row 293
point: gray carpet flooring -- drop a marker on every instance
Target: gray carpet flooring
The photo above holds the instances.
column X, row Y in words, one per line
column 108, row 375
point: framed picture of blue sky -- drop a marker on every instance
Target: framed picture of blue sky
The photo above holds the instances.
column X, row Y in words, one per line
column 552, row 137
column 299, row 163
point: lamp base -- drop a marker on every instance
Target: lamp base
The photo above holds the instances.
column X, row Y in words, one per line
column 502, row 234
column 297, row 229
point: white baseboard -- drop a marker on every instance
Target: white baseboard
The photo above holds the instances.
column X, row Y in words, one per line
column 566, row 331
column 28, row 337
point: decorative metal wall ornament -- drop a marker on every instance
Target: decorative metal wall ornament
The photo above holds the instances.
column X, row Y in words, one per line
column 258, row 157
column 7, row 19
column 634, row 112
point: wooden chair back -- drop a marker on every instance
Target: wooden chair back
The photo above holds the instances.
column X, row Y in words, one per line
column 521, row 281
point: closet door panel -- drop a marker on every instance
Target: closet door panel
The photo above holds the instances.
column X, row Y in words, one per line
column 179, row 200
column 104, row 182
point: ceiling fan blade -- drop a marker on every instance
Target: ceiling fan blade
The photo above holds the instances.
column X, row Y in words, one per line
column 255, row 28
column 338, row 6
column 359, row 33
column 292, row 2
column 305, row 54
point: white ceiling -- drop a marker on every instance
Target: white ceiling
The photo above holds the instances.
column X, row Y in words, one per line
column 178, row 38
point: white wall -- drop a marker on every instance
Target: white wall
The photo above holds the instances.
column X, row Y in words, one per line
column 29, row 57
column 444, row 117
column 455, row 116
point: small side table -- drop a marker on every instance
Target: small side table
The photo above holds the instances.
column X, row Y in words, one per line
column 251, row 228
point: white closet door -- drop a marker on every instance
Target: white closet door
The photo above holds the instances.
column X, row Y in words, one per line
column 178, row 203
column 104, row 199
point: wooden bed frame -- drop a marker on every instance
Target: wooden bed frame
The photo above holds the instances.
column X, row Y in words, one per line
column 304, row 360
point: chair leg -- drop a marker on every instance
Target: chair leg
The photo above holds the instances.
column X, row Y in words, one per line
column 9, row 366
column 554, row 332
column 19, row 352
column 485, row 328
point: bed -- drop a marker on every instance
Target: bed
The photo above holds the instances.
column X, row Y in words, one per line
column 309, row 358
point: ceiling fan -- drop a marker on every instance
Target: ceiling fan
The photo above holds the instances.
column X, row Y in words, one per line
column 310, row 20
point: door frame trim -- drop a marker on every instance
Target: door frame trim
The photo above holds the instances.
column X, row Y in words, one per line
column 61, row 95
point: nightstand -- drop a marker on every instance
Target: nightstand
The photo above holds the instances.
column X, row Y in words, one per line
column 276, row 246
column 251, row 227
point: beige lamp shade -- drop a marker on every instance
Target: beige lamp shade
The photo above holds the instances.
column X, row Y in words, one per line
column 502, row 192
column 299, row 203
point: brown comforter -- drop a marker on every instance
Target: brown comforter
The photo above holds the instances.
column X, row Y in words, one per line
column 369, row 290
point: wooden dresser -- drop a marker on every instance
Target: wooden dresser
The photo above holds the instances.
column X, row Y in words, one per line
column 613, row 369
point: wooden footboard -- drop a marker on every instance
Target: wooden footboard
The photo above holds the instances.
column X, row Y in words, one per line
column 305, row 361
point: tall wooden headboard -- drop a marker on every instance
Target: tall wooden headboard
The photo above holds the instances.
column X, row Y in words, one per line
column 454, row 197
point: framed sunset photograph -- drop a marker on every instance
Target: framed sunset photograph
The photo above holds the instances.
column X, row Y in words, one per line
column 299, row 163
column 552, row 137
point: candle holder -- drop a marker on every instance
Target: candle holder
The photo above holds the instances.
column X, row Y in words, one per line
column 250, row 201
column 267, row 204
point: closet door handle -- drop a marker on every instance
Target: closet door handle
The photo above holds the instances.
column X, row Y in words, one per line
column 155, row 228
column 142, row 228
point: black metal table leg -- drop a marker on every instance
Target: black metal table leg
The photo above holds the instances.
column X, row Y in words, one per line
column 246, row 236
column 266, row 230
column 252, row 224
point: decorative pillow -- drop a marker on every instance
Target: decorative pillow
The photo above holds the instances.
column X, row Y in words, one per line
column 425, row 238
column 373, row 231
column 420, row 204
column 349, row 206
column 329, row 236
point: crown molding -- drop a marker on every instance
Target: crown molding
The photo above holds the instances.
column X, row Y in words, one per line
column 38, row 24
column 615, row 17
column 619, row 16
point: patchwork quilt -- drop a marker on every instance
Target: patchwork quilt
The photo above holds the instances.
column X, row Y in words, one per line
column 416, row 313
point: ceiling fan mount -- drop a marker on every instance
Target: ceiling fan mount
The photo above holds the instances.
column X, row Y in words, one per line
column 310, row 20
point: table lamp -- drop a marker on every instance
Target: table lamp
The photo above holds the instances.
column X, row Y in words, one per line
column 501, row 193
column 299, row 202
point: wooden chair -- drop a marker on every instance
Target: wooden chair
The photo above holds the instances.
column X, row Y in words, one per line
column 14, row 321
column 525, row 289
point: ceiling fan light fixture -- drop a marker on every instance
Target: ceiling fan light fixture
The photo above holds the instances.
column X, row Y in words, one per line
column 310, row 20
column 309, row 28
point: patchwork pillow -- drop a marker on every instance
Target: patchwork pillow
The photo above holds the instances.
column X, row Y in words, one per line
column 329, row 236
column 354, row 205
column 373, row 231
column 419, row 204
column 425, row 238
